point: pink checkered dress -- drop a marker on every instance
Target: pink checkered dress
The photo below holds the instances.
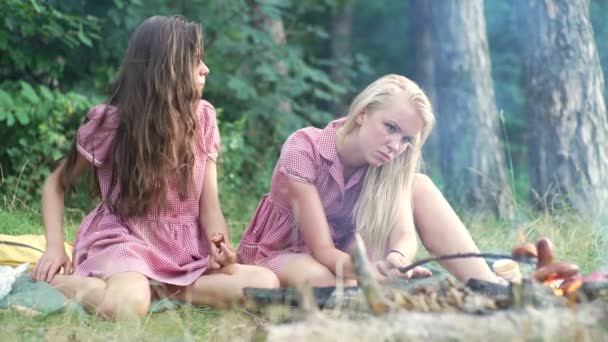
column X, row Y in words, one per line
column 309, row 155
column 165, row 246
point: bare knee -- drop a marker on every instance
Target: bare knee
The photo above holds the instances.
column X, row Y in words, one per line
column 350, row 282
column 422, row 181
column 315, row 278
column 306, row 270
column 322, row 280
column 265, row 278
column 427, row 198
column 255, row 276
column 127, row 296
column 77, row 287
column 118, row 306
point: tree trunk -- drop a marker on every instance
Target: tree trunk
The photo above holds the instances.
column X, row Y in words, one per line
column 422, row 70
column 341, row 32
column 564, row 83
column 473, row 162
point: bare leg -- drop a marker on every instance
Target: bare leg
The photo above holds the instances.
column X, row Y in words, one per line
column 224, row 287
column 442, row 232
column 122, row 296
column 304, row 269
column 86, row 290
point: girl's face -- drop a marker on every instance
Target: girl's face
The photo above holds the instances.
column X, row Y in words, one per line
column 385, row 133
column 200, row 74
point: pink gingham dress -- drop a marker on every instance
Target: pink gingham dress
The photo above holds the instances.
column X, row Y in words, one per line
column 309, row 155
column 167, row 245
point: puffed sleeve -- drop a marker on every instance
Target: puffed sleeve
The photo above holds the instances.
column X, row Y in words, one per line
column 95, row 136
column 210, row 134
column 299, row 159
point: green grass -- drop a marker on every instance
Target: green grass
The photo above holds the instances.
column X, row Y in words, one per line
column 575, row 238
column 185, row 323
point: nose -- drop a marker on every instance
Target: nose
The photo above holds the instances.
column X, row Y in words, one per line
column 394, row 144
column 204, row 70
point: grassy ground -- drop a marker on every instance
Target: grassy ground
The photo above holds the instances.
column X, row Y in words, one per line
column 575, row 238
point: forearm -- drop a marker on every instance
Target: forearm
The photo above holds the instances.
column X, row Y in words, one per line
column 52, row 211
column 213, row 221
column 405, row 243
column 332, row 257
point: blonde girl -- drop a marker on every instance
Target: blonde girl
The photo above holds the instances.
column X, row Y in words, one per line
column 358, row 174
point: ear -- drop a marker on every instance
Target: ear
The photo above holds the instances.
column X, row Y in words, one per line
column 361, row 116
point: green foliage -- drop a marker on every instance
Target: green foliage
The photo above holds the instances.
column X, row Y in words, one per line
column 37, row 126
column 38, row 40
column 384, row 26
column 58, row 57
column 265, row 88
column 239, row 192
column 13, row 223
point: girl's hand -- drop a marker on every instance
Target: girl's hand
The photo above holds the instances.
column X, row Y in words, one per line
column 50, row 263
column 394, row 261
column 379, row 270
column 221, row 256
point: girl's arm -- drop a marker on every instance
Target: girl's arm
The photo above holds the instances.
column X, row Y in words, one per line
column 55, row 257
column 402, row 239
column 312, row 222
column 401, row 251
column 211, row 219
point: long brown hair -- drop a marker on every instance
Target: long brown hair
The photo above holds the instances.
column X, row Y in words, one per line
column 155, row 95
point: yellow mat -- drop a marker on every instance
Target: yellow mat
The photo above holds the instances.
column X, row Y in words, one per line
column 18, row 249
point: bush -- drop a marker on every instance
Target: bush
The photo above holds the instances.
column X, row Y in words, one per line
column 37, row 126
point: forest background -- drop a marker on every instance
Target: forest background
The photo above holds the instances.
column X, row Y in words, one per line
column 517, row 87
column 520, row 148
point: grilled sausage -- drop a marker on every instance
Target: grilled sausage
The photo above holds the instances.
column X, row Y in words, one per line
column 544, row 248
column 556, row 270
column 524, row 250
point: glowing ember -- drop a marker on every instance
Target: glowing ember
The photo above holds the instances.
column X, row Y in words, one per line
column 572, row 285
column 564, row 286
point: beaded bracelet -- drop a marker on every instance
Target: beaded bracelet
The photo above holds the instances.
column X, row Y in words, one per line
column 395, row 251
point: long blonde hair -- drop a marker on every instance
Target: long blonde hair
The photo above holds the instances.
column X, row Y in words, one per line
column 387, row 189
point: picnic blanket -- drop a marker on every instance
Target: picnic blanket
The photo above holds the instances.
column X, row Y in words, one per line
column 16, row 250
column 43, row 298
column 23, row 251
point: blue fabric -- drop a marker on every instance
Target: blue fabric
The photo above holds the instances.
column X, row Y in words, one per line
column 42, row 297
column 39, row 296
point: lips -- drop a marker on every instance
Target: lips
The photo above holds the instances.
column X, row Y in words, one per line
column 384, row 157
